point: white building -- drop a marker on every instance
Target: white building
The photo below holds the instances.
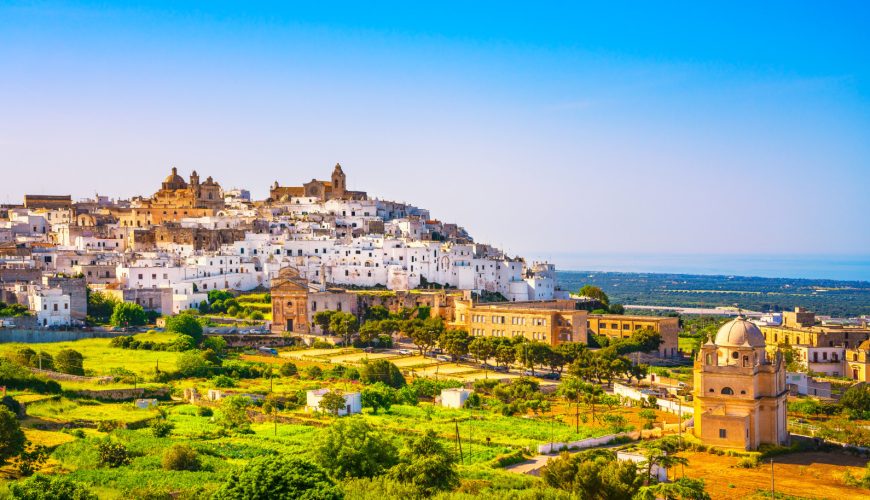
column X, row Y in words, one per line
column 51, row 307
column 454, row 397
column 352, row 402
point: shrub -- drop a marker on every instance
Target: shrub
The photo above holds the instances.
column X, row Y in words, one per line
column 49, row 488
column 256, row 316
column 185, row 324
column 381, row 370
column 313, row 372
column 288, row 370
column 351, row 447
column 204, row 411
column 321, row 344
column 12, row 438
column 69, row 361
column 180, row 457
column 223, row 381
column 162, row 428
column 279, row 477
column 182, row 343
column 127, row 314
column 112, row 454
column 193, row 364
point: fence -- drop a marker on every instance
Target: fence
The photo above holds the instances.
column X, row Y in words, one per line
column 547, row 448
column 36, row 336
column 66, row 377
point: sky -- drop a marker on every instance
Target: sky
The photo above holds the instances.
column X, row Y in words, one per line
column 545, row 128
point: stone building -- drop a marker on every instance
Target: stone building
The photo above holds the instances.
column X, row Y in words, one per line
column 550, row 321
column 622, row 326
column 799, row 328
column 50, row 202
column 336, row 188
column 740, row 392
column 295, row 301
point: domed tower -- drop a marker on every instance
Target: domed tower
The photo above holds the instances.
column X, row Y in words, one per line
column 739, row 393
column 339, row 182
column 174, row 181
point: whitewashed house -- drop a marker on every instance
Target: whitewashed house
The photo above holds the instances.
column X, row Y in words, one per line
column 352, row 402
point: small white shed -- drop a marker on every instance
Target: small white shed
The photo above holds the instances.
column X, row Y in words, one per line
column 454, row 398
column 352, row 401
column 659, row 473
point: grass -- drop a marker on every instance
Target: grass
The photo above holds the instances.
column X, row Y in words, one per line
column 100, row 357
column 63, row 409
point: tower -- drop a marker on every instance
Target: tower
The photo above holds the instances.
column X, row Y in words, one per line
column 739, row 393
column 339, row 185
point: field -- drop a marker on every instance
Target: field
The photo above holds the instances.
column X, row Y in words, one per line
column 815, row 475
column 483, row 439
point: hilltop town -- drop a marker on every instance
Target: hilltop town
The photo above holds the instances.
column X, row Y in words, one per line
column 191, row 342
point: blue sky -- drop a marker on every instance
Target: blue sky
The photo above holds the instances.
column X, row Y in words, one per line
column 679, row 127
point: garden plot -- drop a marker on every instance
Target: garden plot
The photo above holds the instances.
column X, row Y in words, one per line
column 358, row 357
column 414, row 361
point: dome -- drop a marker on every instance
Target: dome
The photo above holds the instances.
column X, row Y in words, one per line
column 739, row 332
column 864, row 346
column 173, row 180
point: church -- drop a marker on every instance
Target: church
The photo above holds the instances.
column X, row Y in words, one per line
column 336, row 189
column 175, row 200
column 740, row 393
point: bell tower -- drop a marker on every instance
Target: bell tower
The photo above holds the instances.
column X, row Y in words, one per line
column 339, row 182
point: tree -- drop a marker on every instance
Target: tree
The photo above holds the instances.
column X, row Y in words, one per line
column 369, row 331
column 127, row 314
column 426, row 464
column 378, row 395
column 594, row 292
column 69, row 361
column 323, row 319
column 377, row 313
column 185, row 324
column 24, row 356
column 12, row 439
column 234, row 414
column 505, row 354
column 616, row 309
column 281, row 478
column 454, row 343
column 381, row 370
column 425, row 334
column 41, row 487
column 100, row 306
column 344, row 324
column 216, row 344
column 649, row 416
column 288, row 369
column 681, row 489
column 660, row 453
column 482, row 348
column 554, row 360
column 572, row 390
column 333, row 402
column 193, row 364
column 856, row 401
column 353, row 448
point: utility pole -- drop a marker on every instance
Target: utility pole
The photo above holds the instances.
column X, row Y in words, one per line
column 275, row 418
column 459, row 442
column 772, row 484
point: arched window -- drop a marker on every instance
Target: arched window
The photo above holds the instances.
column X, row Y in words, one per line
column 727, row 391
column 709, row 359
column 745, row 360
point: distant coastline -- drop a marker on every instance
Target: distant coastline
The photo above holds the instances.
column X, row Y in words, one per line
column 824, row 296
column 831, row 267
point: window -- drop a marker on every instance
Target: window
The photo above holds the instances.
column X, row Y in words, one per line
column 727, row 391
column 722, row 434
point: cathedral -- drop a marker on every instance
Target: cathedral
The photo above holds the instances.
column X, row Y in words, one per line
column 175, row 200
column 740, row 393
column 336, row 189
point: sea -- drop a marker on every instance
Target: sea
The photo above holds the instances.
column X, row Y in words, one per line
column 834, row 267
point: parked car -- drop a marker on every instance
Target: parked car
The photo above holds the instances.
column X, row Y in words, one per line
column 404, row 352
column 442, row 357
column 551, row 376
column 502, row 369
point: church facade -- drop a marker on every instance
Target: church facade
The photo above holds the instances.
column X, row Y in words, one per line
column 740, row 393
column 175, row 200
column 336, row 188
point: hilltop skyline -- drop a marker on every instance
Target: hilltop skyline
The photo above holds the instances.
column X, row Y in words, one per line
column 543, row 132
